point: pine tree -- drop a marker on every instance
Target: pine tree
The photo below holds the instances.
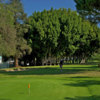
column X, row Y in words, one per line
column 21, row 29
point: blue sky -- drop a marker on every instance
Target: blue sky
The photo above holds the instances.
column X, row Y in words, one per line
column 39, row 5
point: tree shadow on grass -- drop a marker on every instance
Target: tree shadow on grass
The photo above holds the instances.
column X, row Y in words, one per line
column 84, row 98
column 93, row 67
column 49, row 71
column 84, row 83
column 84, row 77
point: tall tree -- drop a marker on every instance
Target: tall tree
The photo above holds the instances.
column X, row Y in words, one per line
column 21, row 28
column 90, row 9
column 44, row 30
column 7, row 31
column 61, row 32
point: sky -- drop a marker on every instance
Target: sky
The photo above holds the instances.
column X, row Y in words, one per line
column 39, row 5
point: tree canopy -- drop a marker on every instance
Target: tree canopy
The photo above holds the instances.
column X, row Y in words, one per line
column 7, row 31
column 90, row 9
column 61, row 32
column 50, row 34
column 12, row 29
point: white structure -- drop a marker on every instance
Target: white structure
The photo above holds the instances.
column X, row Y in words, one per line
column 0, row 59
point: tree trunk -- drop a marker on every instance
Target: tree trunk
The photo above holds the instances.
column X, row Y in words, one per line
column 79, row 60
column 73, row 60
column 83, row 61
column 56, row 60
column 99, row 65
column 16, row 62
column 38, row 61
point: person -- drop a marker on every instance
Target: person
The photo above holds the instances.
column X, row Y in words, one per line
column 61, row 64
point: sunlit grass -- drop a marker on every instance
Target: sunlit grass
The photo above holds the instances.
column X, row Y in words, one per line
column 75, row 82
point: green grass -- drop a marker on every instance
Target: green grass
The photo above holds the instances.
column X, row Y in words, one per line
column 75, row 82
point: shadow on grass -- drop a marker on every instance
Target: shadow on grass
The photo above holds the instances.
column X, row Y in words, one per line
column 49, row 71
column 76, row 77
column 84, row 83
column 84, row 98
column 92, row 67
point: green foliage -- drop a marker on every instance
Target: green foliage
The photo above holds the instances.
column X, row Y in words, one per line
column 20, row 26
column 96, row 56
column 12, row 29
column 44, row 31
column 90, row 9
column 61, row 32
column 7, row 31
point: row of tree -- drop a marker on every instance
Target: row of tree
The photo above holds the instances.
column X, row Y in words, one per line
column 61, row 33
column 48, row 35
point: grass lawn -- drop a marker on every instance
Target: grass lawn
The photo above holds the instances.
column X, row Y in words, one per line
column 75, row 82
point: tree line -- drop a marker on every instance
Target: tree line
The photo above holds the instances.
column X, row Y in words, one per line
column 47, row 36
column 61, row 33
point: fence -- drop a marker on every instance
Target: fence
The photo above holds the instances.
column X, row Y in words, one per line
column 6, row 65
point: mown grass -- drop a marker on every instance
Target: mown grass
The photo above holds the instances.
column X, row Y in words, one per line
column 75, row 82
